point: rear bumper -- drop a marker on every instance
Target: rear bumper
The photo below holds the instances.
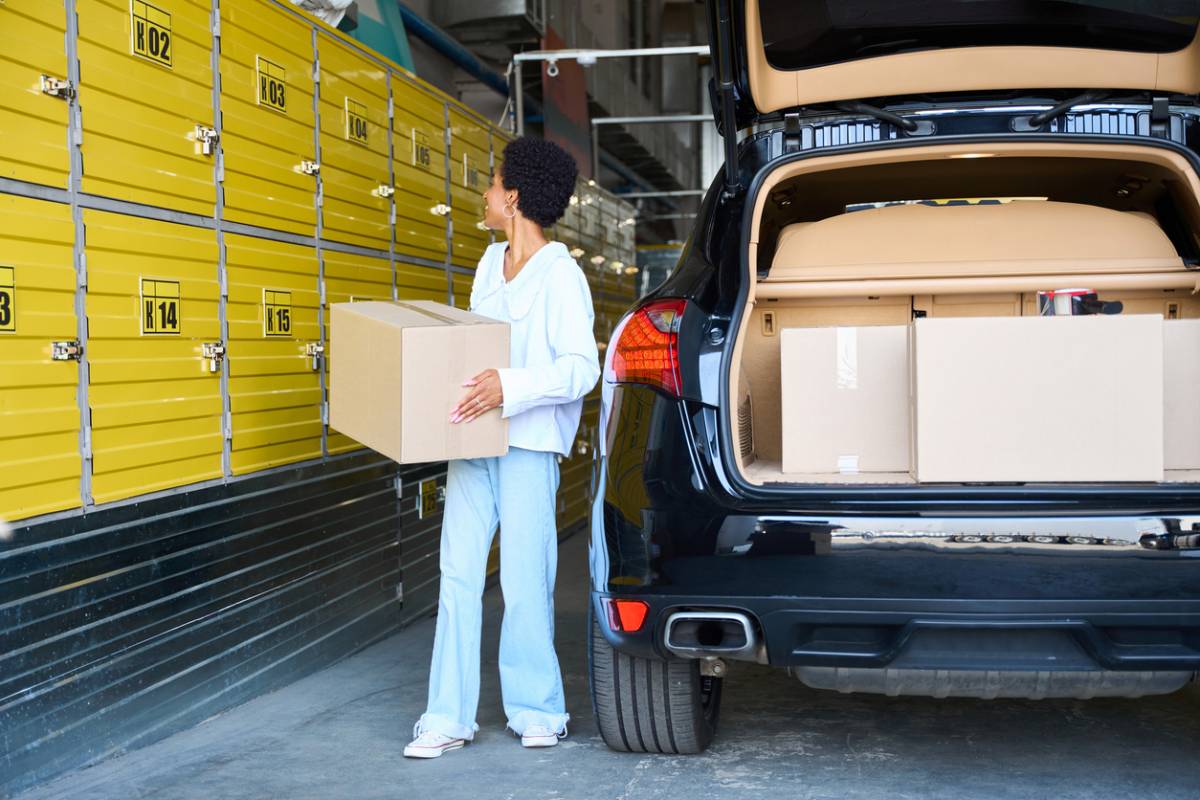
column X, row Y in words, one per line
column 911, row 633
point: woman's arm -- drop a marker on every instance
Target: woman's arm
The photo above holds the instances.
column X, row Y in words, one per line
column 576, row 364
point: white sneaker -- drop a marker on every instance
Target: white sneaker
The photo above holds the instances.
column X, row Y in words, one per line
column 431, row 745
column 541, row 736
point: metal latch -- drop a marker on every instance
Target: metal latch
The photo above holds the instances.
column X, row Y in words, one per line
column 66, row 351
column 215, row 353
column 1160, row 117
column 441, row 209
column 57, row 87
column 385, row 191
column 310, row 167
column 791, row 133
column 314, row 350
column 206, row 137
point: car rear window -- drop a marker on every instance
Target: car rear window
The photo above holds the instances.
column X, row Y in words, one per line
column 806, row 33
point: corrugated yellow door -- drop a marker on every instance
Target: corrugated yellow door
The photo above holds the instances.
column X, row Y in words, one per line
column 274, row 380
column 350, row 277
column 462, row 289
column 469, row 177
column 419, row 153
column 152, row 305
column 589, row 224
column 39, row 413
column 499, row 139
column 33, row 124
column 146, row 94
column 570, row 219
column 355, row 173
column 267, row 118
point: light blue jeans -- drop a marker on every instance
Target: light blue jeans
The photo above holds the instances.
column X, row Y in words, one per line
column 517, row 490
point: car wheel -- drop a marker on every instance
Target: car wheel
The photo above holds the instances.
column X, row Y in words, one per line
column 644, row 705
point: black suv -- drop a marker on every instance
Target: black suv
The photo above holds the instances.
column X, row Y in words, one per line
column 703, row 549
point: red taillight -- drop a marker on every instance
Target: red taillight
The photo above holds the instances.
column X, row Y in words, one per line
column 627, row 616
column 646, row 349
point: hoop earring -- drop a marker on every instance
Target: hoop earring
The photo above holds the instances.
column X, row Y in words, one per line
column 508, row 207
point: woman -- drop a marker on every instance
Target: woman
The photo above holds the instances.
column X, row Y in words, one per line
column 537, row 288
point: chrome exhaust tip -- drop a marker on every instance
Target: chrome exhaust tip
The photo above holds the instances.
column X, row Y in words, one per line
column 711, row 634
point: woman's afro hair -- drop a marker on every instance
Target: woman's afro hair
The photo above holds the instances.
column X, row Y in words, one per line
column 543, row 174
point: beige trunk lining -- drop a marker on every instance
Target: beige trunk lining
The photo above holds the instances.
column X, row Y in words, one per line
column 775, row 305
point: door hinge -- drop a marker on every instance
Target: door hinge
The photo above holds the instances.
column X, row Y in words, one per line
column 399, row 487
column 70, row 350
column 400, row 591
column 206, row 137
column 391, row 108
column 310, row 167
column 58, row 87
column 215, row 353
column 227, row 424
column 325, row 412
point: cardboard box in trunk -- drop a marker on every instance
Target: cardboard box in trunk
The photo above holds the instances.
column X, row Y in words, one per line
column 1181, row 418
column 1038, row 399
column 844, row 395
column 397, row 369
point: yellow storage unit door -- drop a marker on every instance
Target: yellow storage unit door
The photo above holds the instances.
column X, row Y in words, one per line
column 348, row 278
column 152, row 306
column 462, row 289
column 499, row 139
column 274, row 371
column 39, row 413
column 355, row 173
column 268, row 126
column 146, row 96
column 33, row 123
column 419, row 151
column 469, row 177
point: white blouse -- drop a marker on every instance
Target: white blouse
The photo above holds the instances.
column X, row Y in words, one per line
column 553, row 360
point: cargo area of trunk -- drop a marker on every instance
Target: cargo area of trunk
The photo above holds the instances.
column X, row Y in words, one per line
column 856, row 240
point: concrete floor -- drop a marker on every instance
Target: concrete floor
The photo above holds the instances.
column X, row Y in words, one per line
column 339, row 734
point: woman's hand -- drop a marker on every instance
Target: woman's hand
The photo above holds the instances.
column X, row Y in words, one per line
column 485, row 394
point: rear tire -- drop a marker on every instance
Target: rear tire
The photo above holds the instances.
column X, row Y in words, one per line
column 644, row 705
